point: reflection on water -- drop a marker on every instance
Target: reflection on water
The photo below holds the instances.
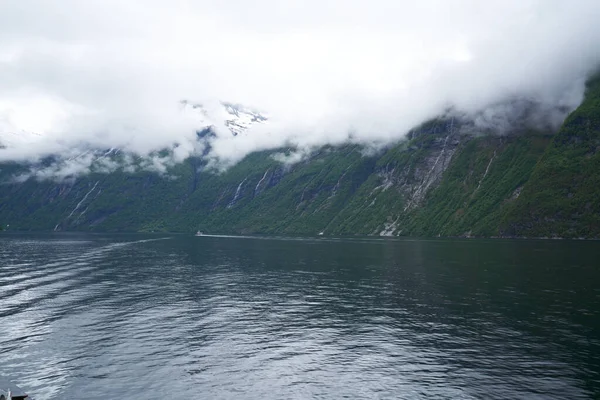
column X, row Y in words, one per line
column 100, row 316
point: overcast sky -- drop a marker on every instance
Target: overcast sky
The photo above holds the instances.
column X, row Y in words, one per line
column 111, row 73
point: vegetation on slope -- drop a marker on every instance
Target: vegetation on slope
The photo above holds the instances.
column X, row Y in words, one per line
column 562, row 198
column 437, row 182
column 485, row 177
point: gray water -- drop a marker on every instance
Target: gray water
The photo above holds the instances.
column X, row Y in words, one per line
column 153, row 317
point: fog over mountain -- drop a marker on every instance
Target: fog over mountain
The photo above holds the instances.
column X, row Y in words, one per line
column 110, row 74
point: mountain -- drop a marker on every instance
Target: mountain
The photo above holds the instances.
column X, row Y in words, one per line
column 562, row 198
column 445, row 179
column 235, row 117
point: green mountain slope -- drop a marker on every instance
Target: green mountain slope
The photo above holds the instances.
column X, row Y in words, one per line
column 439, row 181
column 562, row 198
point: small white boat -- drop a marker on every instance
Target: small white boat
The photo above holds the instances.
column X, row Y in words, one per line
column 199, row 234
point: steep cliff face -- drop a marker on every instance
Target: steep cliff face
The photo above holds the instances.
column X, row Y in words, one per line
column 562, row 198
column 441, row 181
column 337, row 191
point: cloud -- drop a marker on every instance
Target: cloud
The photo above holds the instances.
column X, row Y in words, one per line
column 112, row 74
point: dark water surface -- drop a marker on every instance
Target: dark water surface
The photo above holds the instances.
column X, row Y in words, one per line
column 129, row 316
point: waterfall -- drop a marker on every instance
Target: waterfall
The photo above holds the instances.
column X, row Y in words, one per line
column 83, row 199
column 261, row 181
column 237, row 193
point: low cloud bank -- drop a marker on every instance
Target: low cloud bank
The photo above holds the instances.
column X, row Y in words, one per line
column 112, row 75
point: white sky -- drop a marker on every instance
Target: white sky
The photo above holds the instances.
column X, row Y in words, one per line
column 111, row 73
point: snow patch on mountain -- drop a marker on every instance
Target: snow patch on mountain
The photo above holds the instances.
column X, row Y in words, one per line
column 58, row 159
column 235, row 118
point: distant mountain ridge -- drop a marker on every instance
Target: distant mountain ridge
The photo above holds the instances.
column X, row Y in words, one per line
column 237, row 118
column 233, row 118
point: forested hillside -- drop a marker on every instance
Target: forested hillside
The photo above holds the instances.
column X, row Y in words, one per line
column 442, row 180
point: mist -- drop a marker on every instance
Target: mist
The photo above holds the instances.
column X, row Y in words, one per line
column 108, row 74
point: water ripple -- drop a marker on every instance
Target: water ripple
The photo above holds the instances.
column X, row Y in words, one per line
column 99, row 317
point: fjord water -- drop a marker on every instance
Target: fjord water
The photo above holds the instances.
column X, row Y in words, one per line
column 152, row 317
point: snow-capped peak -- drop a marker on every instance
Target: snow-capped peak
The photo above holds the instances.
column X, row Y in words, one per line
column 241, row 118
column 235, row 117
